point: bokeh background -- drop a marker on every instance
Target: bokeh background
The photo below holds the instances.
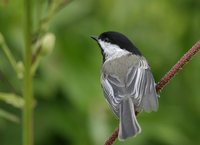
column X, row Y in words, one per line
column 70, row 107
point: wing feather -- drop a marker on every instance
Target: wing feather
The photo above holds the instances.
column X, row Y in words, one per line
column 142, row 90
column 138, row 84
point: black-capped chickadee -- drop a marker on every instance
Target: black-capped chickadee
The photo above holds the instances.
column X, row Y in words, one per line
column 127, row 81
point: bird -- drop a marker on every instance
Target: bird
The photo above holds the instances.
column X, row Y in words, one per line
column 127, row 81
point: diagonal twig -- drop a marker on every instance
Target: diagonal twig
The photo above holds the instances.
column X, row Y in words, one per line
column 178, row 66
column 163, row 82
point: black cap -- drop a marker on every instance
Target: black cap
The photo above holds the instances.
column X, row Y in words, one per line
column 119, row 39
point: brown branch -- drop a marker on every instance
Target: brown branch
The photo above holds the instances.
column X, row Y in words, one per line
column 167, row 77
column 112, row 138
column 178, row 66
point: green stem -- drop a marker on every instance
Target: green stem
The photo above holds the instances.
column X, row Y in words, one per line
column 28, row 80
column 8, row 54
column 35, row 65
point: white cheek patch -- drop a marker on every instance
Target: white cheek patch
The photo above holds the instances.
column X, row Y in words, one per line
column 108, row 48
column 112, row 50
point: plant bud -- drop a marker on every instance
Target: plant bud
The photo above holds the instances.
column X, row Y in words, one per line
column 20, row 69
column 47, row 45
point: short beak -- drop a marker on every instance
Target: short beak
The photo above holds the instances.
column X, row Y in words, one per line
column 95, row 38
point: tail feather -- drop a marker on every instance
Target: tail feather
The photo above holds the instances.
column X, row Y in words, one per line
column 128, row 123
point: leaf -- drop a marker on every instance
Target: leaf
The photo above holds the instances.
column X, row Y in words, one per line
column 12, row 99
column 9, row 116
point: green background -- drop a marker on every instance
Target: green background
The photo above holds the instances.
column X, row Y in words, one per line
column 70, row 107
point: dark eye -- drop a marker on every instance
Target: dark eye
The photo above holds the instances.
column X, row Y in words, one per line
column 106, row 39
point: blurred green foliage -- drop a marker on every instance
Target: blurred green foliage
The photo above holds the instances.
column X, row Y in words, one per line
column 70, row 107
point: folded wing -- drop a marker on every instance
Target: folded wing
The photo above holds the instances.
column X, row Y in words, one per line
column 138, row 84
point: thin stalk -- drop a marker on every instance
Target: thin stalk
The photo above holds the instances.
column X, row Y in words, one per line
column 8, row 54
column 28, row 80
